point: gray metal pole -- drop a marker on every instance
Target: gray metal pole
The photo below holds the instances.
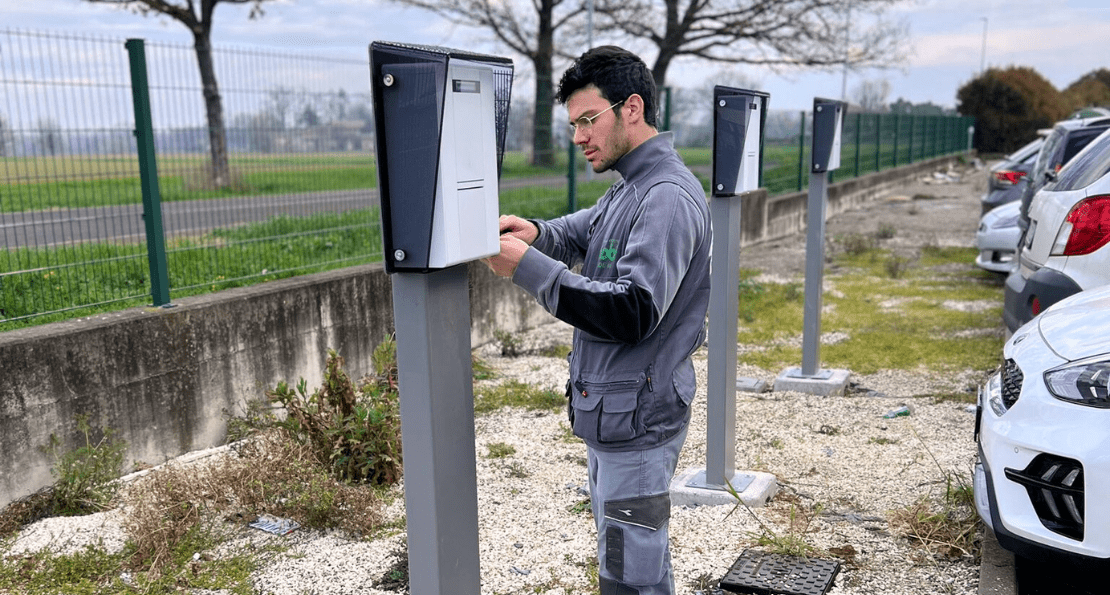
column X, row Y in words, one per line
column 432, row 317
column 815, row 270
column 724, row 296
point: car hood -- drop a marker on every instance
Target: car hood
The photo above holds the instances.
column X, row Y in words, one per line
column 1079, row 326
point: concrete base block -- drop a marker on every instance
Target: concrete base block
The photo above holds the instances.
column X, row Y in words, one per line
column 751, row 385
column 754, row 487
column 825, row 383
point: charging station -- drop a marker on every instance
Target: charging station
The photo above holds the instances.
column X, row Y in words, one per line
column 828, row 124
column 438, row 163
column 739, row 116
column 441, row 118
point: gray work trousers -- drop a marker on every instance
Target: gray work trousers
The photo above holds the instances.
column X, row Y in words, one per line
column 630, row 496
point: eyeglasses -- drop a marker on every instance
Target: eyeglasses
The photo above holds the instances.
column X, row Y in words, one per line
column 587, row 122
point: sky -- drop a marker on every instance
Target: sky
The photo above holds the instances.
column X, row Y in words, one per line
column 950, row 40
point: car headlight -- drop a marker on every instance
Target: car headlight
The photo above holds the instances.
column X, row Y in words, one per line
column 1085, row 382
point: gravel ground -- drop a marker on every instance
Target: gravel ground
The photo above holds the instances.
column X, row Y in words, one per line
column 842, row 467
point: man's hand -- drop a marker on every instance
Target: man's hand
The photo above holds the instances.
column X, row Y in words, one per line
column 512, row 250
column 522, row 229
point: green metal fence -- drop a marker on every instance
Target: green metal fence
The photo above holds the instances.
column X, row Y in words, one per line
column 111, row 194
column 869, row 143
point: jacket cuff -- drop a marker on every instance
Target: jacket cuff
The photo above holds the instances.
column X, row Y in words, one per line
column 533, row 271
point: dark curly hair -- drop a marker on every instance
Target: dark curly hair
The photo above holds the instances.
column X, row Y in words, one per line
column 616, row 72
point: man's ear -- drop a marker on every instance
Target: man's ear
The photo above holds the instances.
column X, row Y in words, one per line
column 635, row 105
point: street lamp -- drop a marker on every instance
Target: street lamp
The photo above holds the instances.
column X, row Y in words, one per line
column 983, row 52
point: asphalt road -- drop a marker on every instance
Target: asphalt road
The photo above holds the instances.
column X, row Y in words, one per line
column 125, row 222
column 55, row 227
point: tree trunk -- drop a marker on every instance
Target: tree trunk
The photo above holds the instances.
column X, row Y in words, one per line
column 213, row 106
column 659, row 72
column 543, row 152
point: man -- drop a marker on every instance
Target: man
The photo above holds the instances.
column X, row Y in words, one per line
column 638, row 307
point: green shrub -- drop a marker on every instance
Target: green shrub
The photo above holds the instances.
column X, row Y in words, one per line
column 1009, row 106
column 357, row 433
column 85, row 477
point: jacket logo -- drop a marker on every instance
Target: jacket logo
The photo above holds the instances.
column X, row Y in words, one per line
column 608, row 255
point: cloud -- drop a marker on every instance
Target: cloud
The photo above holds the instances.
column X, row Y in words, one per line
column 1050, row 50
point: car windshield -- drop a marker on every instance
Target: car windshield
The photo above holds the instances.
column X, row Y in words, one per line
column 1076, row 141
column 1051, row 143
column 1087, row 167
column 1027, row 152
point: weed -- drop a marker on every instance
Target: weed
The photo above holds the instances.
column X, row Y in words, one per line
column 357, row 433
column 517, row 470
column 511, row 344
column 87, row 571
column 560, row 351
column 792, row 292
column 580, row 506
column 948, row 526
column 966, row 397
column 566, row 434
column 704, row 583
column 793, row 542
column 886, row 231
column 856, row 244
column 84, row 478
column 269, row 473
column 499, row 450
column 514, row 393
column 481, row 369
column 257, row 417
column 396, row 577
column 882, row 440
column 749, row 292
column 896, row 266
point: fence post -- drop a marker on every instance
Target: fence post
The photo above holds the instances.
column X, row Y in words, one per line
column 148, row 175
column 859, row 127
column 878, row 141
column 897, row 120
column 926, row 139
column 801, row 150
column 909, row 157
column 667, row 112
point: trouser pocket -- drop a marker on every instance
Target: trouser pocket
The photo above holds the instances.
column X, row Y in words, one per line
column 636, row 539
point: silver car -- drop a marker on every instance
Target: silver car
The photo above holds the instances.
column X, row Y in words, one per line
column 997, row 238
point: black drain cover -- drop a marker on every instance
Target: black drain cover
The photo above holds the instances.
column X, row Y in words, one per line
column 759, row 573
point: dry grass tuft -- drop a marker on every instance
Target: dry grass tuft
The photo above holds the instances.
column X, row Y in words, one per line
column 269, row 474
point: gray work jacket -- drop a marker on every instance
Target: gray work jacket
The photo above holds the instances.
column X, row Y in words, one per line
column 639, row 303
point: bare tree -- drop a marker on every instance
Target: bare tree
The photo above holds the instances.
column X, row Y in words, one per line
column 871, row 95
column 50, row 136
column 279, row 102
column 813, row 33
column 196, row 15
column 6, row 137
column 530, row 30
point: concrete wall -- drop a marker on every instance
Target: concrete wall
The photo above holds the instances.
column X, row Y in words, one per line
column 167, row 378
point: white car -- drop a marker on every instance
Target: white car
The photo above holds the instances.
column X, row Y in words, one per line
column 997, row 238
column 1067, row 246
column 1042, row 482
